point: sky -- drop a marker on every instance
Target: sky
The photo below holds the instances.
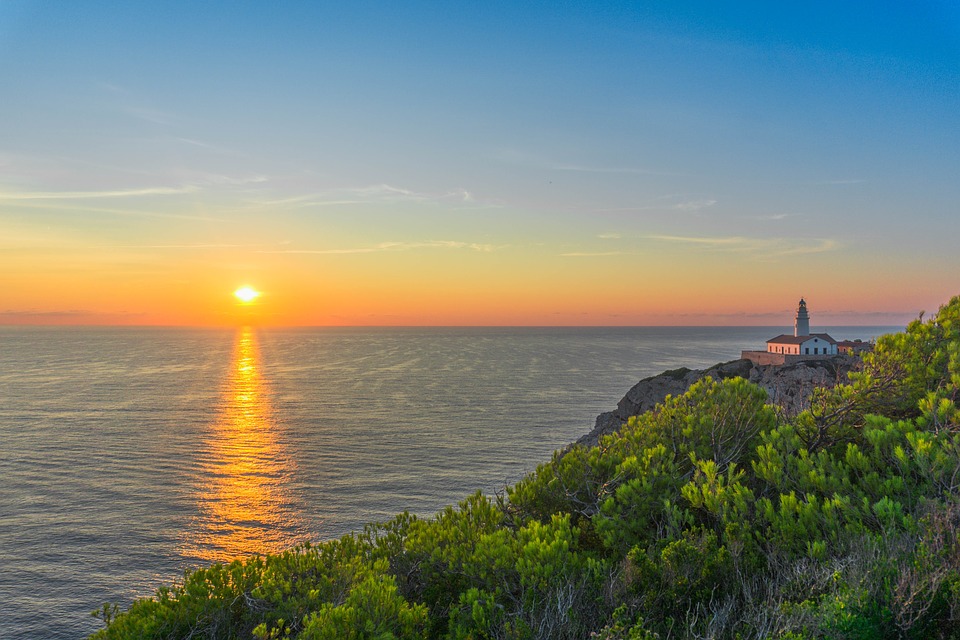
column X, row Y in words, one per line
column 478, row 163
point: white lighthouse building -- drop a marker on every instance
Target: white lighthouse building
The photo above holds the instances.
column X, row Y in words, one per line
column 802, row 342
column 801, row 326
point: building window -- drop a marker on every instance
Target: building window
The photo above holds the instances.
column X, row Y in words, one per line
column 808, row 351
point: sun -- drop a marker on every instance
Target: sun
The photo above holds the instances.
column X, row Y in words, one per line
column 246, row 295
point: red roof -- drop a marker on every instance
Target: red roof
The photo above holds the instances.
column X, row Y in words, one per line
column 786, row 338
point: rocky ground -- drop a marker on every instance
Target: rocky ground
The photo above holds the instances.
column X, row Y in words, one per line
column 788, row 385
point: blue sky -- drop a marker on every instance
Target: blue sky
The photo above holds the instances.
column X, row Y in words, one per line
column 773, row 150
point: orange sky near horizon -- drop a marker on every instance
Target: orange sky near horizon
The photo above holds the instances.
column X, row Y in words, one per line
column 431, row 288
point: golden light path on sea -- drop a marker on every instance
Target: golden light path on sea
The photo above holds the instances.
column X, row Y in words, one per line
column 242, row 490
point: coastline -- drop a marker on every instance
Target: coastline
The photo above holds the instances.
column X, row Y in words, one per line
column 788, row 386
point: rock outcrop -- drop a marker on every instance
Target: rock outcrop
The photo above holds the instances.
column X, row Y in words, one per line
column 788, row 386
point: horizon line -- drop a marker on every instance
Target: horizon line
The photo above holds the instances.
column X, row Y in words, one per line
column 417, row 326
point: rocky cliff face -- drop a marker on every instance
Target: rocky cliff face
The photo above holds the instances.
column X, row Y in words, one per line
column 789, row 386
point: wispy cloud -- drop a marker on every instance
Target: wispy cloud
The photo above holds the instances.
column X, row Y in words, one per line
column 35, row 312
column 538, row 161
column 693, row 205
column 591, row 254
column 817, row 246
column 851, row 313
column 195, row 143
column 56, row 316
column 609, row 236
column 59, row 206
column 761, row 247
column 731, row 241
column 219, row 179
column 126, row 102
column 391, row 246
column 83, row 195
column 689, row 206
column 183, row 246
column 579, row 168
column 148, row 114
column 386, row 191
column 370, row 194
column 751, row 248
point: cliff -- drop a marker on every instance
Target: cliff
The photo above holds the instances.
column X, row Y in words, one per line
column 788, row 386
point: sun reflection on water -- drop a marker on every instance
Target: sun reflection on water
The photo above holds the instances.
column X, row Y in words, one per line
column 242, row 493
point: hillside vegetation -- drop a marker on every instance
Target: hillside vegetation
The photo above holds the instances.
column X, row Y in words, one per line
column 712, row 516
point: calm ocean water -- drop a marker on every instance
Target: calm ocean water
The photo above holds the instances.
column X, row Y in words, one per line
column 128, row 455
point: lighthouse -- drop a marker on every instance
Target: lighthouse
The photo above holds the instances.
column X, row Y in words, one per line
column 801, row 326
column 802, row 345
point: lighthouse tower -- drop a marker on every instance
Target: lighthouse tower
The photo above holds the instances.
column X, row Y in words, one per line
column 801, row 327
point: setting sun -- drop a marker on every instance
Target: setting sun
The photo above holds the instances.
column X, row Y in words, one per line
column 246, row 294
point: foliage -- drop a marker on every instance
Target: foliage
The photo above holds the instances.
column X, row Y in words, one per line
column 713, row 515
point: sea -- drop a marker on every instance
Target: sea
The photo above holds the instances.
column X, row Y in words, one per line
column 128, row 455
